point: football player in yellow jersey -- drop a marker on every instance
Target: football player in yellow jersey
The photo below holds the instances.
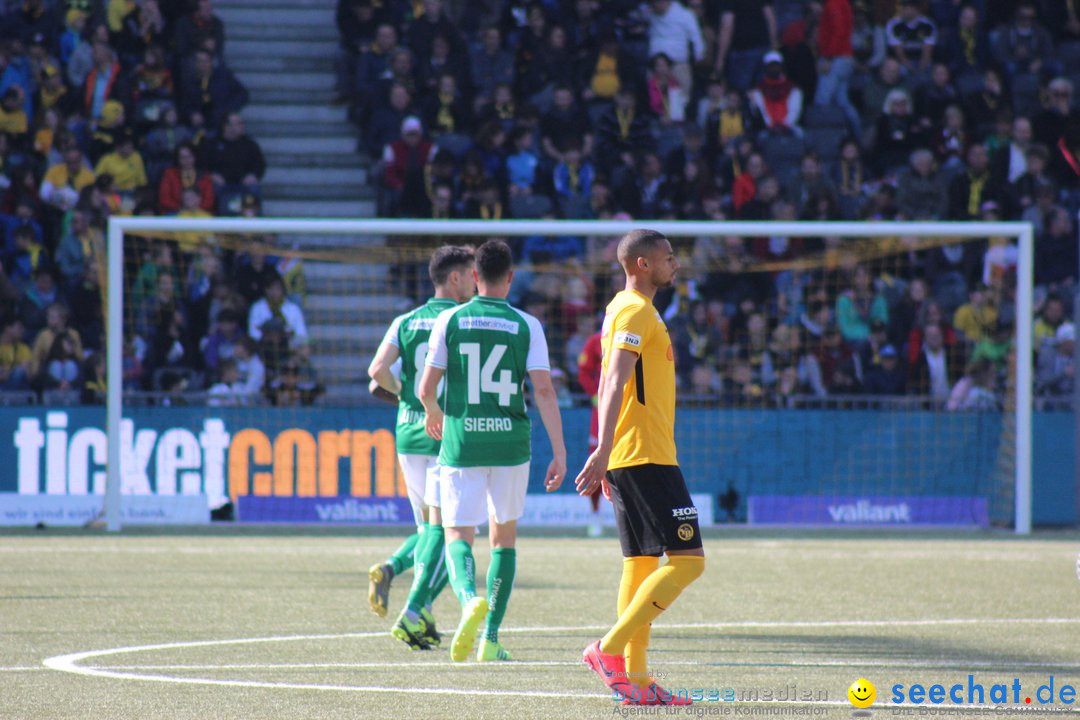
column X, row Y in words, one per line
column 635, row 464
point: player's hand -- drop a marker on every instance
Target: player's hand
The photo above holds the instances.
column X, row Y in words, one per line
column 592, row 475
column 433, row 422
column 555, row 473
column 381, row 393
column 605, row 487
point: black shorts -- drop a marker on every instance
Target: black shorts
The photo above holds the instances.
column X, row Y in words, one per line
column 653, row 510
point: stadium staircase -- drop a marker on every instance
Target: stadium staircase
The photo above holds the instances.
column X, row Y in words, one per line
column 283, row 51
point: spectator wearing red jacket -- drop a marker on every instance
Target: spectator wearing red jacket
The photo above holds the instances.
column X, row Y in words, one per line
column 836, row 63
column 405, row 163
column 776, row 100
column 180, row 177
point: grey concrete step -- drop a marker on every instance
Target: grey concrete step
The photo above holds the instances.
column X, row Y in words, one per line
column 351, row 304
column 300, row 81
column 311, row 144
column 288, row 16
column 294, row 96
column 286, row 128
column 319, row 209
column 245, row 65
column 299, row 191
column 237, row 50
column 303, row 112
column 383, row 284
column 341, row 367
column 318, row 32
column 228, row 5
column 285, row 158
column 356, row 304
column 299, row 176
column 225, row 5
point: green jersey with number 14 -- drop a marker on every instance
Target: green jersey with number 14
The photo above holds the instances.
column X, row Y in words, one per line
column 409, row 333
column 487, row 348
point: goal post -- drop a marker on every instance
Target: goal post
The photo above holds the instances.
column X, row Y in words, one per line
column 397, row 230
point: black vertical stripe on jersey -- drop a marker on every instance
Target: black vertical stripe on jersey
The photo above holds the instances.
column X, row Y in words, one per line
column 639, row 379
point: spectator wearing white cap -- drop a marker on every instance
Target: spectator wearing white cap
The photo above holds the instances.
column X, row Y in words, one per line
column 1056, row 370
column 674, row 32
column 404, row 162
column 776, row 100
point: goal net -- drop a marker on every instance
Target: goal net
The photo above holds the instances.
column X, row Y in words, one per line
column 828, row 373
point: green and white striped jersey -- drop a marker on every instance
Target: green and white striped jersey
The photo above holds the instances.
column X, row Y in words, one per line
column 487, row 348
column 410, row 333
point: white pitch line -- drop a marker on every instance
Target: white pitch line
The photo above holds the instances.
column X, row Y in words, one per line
column 70, row 663
column 855, row 662
column 811, row 624
column 20, row 668
column 350, row 666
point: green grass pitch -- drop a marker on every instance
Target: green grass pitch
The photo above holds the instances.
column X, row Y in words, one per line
column 275, row 624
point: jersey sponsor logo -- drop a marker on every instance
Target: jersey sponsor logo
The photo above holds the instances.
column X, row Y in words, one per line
column 628, row 338
column 408, row 416
column 488, row 424
column 421, row 323
column 488, row 323
column 686, row 532
column 684, row 513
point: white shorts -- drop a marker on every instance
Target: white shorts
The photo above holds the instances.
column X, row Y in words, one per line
column 471, row 495
column 421, row 481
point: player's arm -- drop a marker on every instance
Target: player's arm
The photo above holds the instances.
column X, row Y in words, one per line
column 383, row 383
column 612, row 384
column 429, row 398
column 548, row 406
column 434, row 369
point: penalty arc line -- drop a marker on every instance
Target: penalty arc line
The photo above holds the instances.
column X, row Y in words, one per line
column 70, row 663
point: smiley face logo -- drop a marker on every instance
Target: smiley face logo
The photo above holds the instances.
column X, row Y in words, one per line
column 862, row 693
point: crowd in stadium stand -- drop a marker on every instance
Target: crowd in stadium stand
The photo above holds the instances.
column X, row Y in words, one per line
column 751, row 110
column 120, row 107
column 733, row 109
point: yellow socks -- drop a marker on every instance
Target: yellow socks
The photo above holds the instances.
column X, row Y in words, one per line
column 654, row 595
column 635, row 571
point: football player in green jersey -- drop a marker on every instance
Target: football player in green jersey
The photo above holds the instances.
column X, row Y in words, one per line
column 485, row 349
column 451, row 272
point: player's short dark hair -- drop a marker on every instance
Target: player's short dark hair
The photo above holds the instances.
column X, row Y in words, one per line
column 494, row 261
column 447, row 259
column 638, row 243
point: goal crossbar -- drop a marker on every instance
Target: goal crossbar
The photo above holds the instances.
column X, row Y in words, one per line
column 1023, row 232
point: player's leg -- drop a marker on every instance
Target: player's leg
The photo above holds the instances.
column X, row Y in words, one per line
column 380, row 575
column 463, row 491
column 654, row 514
column 429, row 554
column 662, row 517
column 635, row 570
column 507, row 487
column 415, row 625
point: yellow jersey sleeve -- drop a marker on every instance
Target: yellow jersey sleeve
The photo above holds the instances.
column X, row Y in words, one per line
column 631, row 327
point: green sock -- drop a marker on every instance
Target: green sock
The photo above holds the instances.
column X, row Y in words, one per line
column 459, row 560
column 402, row 559
column 500, row 581
column 428, row 552
column 440, row 578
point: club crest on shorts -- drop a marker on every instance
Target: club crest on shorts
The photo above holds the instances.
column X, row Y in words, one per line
column 686, row 532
